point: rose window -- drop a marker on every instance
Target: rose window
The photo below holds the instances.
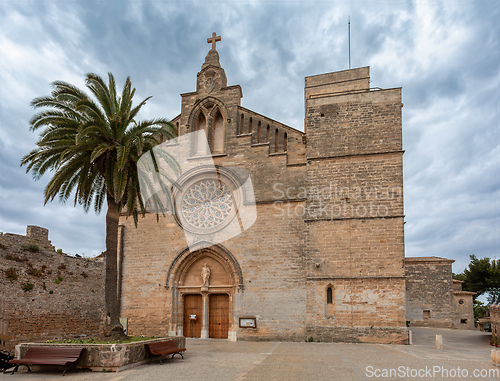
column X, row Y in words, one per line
column 207, row 204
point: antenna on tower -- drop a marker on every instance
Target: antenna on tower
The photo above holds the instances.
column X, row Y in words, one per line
column 349, row 39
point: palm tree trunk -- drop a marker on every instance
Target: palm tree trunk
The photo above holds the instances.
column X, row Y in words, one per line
column 113, row 327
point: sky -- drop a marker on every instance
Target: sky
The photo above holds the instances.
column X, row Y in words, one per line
column 444, row 54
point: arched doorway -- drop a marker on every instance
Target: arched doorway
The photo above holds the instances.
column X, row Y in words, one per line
column 204, row 283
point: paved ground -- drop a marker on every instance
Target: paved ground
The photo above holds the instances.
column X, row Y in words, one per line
column 465, row 352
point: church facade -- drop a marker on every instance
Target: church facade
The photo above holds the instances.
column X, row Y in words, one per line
column 315, row 246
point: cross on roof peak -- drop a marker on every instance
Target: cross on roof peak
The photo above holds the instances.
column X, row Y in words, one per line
column 213, row 40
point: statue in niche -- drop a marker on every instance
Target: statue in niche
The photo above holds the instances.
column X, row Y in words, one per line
column 205, row 274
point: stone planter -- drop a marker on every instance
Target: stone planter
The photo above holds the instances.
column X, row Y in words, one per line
column 107, row 357
column 495, row 356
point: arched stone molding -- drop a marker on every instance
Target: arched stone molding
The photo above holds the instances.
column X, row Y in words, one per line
column 188, row 256
column 181, row 269
column 209, row 107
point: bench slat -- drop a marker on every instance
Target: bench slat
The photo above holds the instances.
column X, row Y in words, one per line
column 49, row 356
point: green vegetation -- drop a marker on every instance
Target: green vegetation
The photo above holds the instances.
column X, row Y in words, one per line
column 92, row 340
column 11, row 273
column 27, row 286
column 11, row 257
column 35, row 272
column 31, row 247
column 59, row 251
column 93, row 144
column 59, row 279
column 482, row 277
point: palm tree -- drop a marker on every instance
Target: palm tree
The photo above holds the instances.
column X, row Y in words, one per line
column 92, row 148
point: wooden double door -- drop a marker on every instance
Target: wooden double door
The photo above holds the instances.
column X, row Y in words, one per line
column 218, row 315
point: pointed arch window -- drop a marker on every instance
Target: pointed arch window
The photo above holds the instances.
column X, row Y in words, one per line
column 250, row 125
column 276, row 140
column 218, row 133
column 268, row 133
column 201, row 124
column 285, row 142
column 242, row 124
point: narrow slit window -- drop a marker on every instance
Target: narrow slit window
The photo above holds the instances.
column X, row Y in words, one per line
column 285, row 142
column 242, row 123
column 276, row 140
column 329, row 295
column 259, row 131
column 250, row 125
column 268, row 133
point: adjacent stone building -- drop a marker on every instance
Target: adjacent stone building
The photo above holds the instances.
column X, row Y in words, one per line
column 433, row 297
column 46, row 295
column 322, row 256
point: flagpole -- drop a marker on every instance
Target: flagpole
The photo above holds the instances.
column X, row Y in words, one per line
column 349, row 38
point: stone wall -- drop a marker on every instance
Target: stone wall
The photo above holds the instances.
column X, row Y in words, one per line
column 495, row 323
column 429, row 292
column 35, row 235
column 354, row 212
column 349, row 159
column 46, row 295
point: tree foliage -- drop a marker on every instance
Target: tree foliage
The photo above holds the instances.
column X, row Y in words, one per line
column 92, row 145
column 483, row 277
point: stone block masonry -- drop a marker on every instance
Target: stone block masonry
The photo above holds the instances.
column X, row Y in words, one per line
column 46, row 295
column 495, row 324
column 325, row 256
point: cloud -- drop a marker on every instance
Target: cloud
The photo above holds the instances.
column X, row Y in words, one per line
column 445, row 56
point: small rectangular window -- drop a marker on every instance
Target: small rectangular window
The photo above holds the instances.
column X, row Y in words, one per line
column 463, row 321
column 427, row 314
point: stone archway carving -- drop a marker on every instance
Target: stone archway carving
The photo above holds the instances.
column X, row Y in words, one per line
column 187, row 276
column 187, row 256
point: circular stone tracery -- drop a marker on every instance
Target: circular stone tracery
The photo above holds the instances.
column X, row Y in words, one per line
column 207, row 204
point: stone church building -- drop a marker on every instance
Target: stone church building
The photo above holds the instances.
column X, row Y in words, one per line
column 322, row 256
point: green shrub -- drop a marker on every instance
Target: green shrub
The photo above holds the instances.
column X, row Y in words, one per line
column 27, row 286
column 59, row 279
column 31, row 247
column 14, row 258
column 11, row 273
column 35, row 272
column 59, row 251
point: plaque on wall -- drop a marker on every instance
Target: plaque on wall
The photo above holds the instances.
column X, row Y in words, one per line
column 192, row 317
column 248, row 322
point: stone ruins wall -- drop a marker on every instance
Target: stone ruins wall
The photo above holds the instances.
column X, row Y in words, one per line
column 495, row 323
column 46, row 295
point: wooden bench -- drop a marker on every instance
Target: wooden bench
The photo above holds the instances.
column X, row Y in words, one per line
column 164, row 348
column 48, row 356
